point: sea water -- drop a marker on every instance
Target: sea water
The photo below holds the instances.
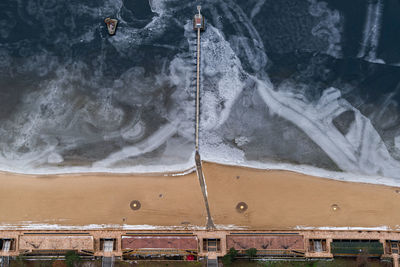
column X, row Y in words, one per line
column 305, row 85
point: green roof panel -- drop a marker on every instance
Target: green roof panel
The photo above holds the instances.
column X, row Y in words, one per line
column 350, row 248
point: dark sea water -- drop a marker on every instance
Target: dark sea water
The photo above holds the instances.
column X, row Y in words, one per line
column 296, row 84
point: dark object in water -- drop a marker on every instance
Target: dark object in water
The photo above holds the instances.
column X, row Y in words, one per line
column 111, row 25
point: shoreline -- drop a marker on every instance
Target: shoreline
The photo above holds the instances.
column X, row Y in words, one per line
column 252, row 165
column 315, row 172
column 277, row 199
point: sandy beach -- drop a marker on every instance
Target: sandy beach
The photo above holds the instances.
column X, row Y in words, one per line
column 276, row 200
column 101, row 199
column 284, row 200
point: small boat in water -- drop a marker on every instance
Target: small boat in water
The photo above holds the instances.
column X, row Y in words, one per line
column 111, row 25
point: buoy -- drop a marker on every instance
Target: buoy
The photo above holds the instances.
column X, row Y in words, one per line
column 111, row 25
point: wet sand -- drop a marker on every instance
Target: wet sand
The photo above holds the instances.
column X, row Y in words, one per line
column 276, row 199
column 283, row 200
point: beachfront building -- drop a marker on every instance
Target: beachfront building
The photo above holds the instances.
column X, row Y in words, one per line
column 36, row 244
column 194, row 245
column 179, row 246
column 285, row 245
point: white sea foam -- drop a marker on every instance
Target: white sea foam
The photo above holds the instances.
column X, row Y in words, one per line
column 49, row 122
column 329, row 28
column 360, row 152
column 157, row 6
column 158, row 167
column 248, row 40
column 257, row 7
column 397, row 142
column 55, row 158
column 226, row 76
column 371, row 33
column 149, row 144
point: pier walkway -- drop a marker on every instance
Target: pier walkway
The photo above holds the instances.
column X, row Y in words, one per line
column 198, row 25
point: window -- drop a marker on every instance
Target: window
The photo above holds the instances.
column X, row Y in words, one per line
column 354, row 247
column 392, row 246
column 108, row 244
column 7, row 244
column 318, row 245
column 212, row 244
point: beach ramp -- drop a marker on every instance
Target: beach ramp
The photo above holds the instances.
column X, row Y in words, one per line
column 279, row 246
column 55, row 244
column 181, row 247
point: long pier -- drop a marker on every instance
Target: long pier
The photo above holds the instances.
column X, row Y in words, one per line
column 198, row 89
column 198, row 25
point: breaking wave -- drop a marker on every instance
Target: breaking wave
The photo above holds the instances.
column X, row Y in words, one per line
column 77, row 100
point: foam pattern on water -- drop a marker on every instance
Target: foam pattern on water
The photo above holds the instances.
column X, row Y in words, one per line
column 75, row 99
